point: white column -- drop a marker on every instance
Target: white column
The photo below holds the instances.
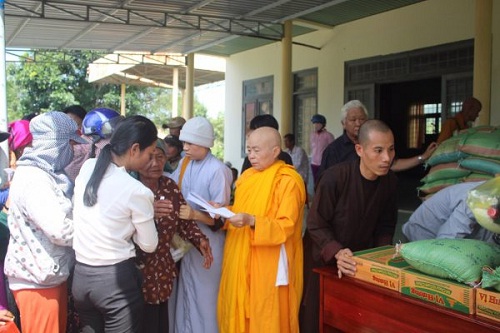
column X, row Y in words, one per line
column 122, row 99
column 4, row 147
column 189, row 110
column 175, row 92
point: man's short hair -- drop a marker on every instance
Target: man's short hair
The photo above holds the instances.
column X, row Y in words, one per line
column 290, row 137
column 263, row 120
column 372, row 125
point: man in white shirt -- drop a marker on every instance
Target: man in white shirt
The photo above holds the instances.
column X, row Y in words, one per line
column 299, row 156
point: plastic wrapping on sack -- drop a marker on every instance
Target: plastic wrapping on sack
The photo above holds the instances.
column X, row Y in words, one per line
column 445, row 173
column 491, row 278
column 179, row 247
column 484, row 202
column 461, row 260
column 448, row 151
column 435, row 186
column 483, row 141
column 476, row 150
column 481, row 165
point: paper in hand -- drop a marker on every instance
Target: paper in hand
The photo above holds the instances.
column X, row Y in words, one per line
column 197, row 199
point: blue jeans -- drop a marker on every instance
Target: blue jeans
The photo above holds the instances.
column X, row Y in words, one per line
column 109, row 298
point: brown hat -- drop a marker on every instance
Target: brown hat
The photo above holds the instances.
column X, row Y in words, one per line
column 176, row 122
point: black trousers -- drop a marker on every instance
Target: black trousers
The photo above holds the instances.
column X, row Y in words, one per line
column 155, row 318
column 109, row 298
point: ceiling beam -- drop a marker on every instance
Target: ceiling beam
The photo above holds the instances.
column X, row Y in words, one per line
column 86, row 13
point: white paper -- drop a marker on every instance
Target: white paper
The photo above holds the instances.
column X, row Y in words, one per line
column 197, row 199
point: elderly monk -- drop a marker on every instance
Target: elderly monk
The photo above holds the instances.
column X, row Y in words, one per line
column 261, row 283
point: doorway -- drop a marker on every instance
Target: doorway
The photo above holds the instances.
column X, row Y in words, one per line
column 412, row 110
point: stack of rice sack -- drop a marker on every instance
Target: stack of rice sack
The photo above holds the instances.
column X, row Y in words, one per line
column 472, row 155
column 468, row 261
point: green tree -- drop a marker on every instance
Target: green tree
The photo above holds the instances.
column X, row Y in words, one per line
column 53, row 81
column 218, row 123
column 58, row 79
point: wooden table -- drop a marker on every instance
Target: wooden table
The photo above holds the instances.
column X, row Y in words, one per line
column 351, row 305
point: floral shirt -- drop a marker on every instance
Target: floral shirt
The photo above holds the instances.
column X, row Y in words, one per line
column 158, row 268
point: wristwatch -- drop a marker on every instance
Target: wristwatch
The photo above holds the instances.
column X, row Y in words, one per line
column 420, row 159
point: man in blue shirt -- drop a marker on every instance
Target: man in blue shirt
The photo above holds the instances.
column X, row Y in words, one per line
column 446, row 215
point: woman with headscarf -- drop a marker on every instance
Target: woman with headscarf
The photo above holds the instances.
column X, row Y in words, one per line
column 158, row 268
column 20, row 138
column 39, row 256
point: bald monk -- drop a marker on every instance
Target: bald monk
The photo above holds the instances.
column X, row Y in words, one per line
column 261, row 283
column 462, row 120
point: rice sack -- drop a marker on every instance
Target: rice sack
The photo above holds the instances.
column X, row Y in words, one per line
column 491, row 278
column 461, row 260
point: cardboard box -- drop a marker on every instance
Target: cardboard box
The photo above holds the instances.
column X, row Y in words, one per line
column 447, row 293
column 380, row 266
column 488, row 304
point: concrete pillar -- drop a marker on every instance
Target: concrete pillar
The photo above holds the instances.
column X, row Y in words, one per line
column 286, row 125
column 175, row 92
column 189, row 110
column 4, row 148
column 123, row 89
column 482, row 58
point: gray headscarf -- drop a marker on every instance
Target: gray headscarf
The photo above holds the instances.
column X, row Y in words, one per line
column 51, row 150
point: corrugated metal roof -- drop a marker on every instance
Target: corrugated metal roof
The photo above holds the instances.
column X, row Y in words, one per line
column 221, row 27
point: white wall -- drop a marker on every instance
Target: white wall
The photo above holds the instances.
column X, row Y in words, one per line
column 495, row 67
column 425, row 24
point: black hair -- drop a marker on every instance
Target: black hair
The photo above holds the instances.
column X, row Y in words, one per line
column 264, row 120
column 173, row 141
column 372, row 125
column 290, row 137
column 30, row 116
column 77, row 110
column 131, row 130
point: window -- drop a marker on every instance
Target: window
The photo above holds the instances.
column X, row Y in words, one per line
column 432, row 114
column 424, row 121
column 305, row 105
column 257, row 99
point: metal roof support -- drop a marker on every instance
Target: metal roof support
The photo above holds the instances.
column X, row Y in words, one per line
column 80, row 12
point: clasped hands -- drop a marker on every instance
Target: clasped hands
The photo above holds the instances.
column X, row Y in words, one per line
column 242, row 219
